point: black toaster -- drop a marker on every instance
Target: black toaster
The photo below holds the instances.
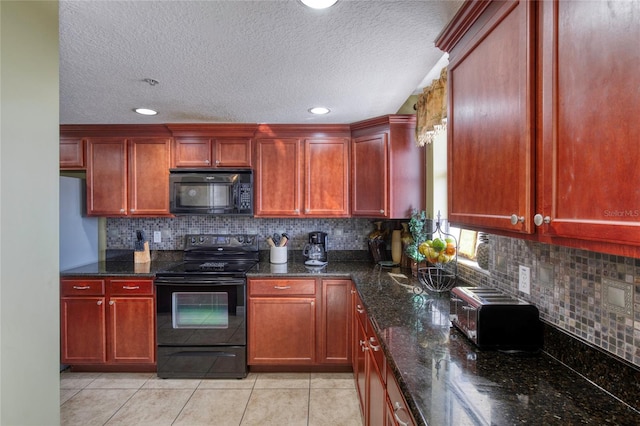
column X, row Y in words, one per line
column 493, row 320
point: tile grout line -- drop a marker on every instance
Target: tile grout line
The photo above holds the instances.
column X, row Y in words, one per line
column 244, row 413
column 124, row 403
column 185, row 403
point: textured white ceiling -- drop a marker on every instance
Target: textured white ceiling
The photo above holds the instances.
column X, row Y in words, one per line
column 244, row 61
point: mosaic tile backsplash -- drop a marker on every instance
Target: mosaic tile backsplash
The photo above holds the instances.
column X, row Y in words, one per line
column 593, row 296
column 344, row 234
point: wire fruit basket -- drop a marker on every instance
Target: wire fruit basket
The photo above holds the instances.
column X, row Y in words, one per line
column 442, row 256
column 436, row 278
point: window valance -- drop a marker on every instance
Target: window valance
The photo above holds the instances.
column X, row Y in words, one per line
column 431, row 110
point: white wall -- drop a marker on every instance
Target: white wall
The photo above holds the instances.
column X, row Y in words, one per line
column 437, row 177
column 29, row 288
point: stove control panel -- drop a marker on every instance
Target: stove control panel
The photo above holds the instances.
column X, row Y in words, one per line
column 222, row 241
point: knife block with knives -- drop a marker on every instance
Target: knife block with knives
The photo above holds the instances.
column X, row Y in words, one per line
column 141, row 249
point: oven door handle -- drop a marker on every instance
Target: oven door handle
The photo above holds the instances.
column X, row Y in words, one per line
column 199, row 282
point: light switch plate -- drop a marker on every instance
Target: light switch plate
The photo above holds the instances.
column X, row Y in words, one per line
column 157, row 236
column 524, row 281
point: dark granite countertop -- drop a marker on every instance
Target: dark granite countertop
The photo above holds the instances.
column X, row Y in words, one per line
column 445, row 379
column 119, row 268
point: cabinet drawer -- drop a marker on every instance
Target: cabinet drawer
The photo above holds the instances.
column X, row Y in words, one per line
column 129, row 287
column 282, row 287
column 82, row 287
column 396, row 401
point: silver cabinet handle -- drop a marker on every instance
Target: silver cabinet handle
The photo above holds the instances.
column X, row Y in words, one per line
column 360, row 309
column 282, row 287
column 99, row 302
column 207, row 162
column 217, row 162
column 132, row 210
column 84, row 287
column 539, row 220
column 381, row 211
column 515, row 219
column 397, row 408
column 375, row 348
column 122, row 210
column 363, row 345
column 468, row 308
column 111, row 302
column 130, row 287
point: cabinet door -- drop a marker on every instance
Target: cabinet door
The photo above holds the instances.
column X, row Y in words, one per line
column 106, row 177
column 377, row 400
column 149, row 176
column 326, row 177
column 277, row 188
column 335, row 338
column 370, row 178
column 192, row 152
column 590, row 90
column 282, row 330
column 83, row 334
column 233, row 152
column 490, row 144
column 360, row 364
column 72, row 154
column 132, row 330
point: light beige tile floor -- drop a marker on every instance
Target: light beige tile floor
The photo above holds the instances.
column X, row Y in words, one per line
column 305, row 399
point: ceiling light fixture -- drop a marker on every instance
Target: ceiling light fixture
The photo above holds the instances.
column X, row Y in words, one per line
column 145, row 111
column 318, row 4
column 319, row 110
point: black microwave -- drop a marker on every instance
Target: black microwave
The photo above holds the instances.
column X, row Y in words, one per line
column 212, row 192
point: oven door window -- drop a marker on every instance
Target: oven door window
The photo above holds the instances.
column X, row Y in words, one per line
column 200, row 310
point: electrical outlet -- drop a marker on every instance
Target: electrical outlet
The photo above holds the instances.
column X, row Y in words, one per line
column 524, row 282
column 157, row 237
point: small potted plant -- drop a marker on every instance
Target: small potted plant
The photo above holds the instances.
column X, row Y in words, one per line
column 419, row 233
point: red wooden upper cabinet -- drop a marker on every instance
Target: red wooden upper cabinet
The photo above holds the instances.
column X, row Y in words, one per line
column 387, row 168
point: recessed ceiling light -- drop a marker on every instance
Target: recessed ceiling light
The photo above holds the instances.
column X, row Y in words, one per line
column 318, row 4
column 145, row 111
column 319, row 110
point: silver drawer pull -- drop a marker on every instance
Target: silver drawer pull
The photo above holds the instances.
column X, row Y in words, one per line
column 131, row 287
column 84, row 287
column 282, row 287
column 397, row 408
column 99, row 302
column 375, row 348
column 468, row 308
column 363, row 345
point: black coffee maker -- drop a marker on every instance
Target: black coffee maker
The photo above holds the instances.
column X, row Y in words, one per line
column 318, row 238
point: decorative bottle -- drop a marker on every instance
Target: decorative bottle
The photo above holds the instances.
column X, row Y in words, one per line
column 396, row 246
column 482, row 252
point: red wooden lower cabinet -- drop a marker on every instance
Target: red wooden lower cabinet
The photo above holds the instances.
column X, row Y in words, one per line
column 108, row 324
column 299, row 322
column 380, row 399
